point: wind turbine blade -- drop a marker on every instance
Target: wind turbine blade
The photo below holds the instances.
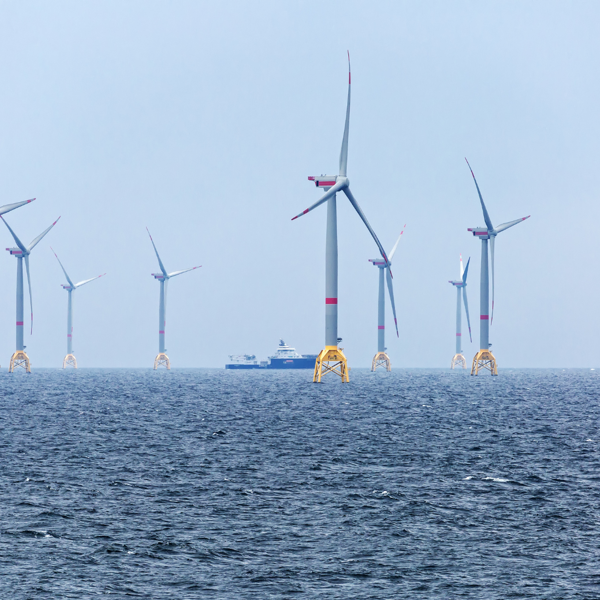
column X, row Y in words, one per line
column 17, row 240
column 37, row 240
column 61, row 265
column 466, row 272
column 492, row 242
column 29, row 284
column 328, row 194
column 184, row 271
column 362, row 216
column 488, row 221
column 344, row 150
column 462, row 270
column 397, row 242
column 391, row 291
column 511, row 223
column 8, row 207
column 88, row 280
column 162, row 267
column 467, row 311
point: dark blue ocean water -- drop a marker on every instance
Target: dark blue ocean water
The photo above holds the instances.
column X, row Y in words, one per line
column 216, row 484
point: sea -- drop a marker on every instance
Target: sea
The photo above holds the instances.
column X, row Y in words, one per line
column 205, row 483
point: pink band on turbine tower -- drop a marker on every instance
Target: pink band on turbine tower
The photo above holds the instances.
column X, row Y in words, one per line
column 381, row 327
column 460, row 334
column 330, row 300
column 484, row 317
column 161, row 332
column 69, row 335
column 20, row 323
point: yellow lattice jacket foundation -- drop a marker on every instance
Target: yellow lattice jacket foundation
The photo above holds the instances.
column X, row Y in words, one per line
column 331, row 360
column 162, row 360
column 458, row 360
column 70, row 361
column 381, row 359
column 484, row 359
column 19, row 360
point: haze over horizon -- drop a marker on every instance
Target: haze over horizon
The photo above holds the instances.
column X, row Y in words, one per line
column 202, row 121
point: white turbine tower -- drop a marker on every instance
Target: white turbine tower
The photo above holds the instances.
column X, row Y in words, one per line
column 484, row 359
column 332, row 359
column 381, row 359
column 162, row 360
column 458, row 360
column 70, row 360
column 20, row 358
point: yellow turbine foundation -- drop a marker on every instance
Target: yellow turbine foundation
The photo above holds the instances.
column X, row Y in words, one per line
column 70, row 361
column 162, row 360
column 458, row 360
column 484, row 359
column 381, row 359
column 19, row 359
column 331, row 360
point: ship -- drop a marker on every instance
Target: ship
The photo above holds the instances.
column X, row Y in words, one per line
column 242, row 361
column 286, row 357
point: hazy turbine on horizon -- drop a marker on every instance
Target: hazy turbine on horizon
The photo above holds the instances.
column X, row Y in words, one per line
column 458, row 360
column 162, row 360
column 332, row 359
column 484, row 359
column 70, row 359
column 381, row 359
column 20, row 358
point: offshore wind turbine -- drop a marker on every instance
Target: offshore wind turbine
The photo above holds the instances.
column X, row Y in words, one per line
column 381, row 359
column 458, row 360
column 20, row 358
column 162, row 360
column 484, row 359
column 332, row 359
column 8, row 207
column 70, row 360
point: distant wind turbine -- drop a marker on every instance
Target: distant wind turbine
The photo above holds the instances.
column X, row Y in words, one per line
column 458, row 360
column 484, row 359
column 20, row 358
column 381, row 359
column 70, row 360
column 162, row 360
column 332, row 359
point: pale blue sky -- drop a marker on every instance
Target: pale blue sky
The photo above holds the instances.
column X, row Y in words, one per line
column 203, row 120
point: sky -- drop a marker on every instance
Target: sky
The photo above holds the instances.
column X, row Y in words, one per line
column 202, row 122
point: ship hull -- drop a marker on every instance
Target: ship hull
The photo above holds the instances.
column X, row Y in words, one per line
column 306, row 362
column 234, row 366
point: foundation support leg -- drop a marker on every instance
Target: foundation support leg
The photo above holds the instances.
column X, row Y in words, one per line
column 458, row 360
column 19, row 360
column 331, row 360
column 162, row 360
column 484, row 359
column 381, row 359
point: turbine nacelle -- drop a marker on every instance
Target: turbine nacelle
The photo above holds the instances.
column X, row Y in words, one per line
column 159, row 276
column 324, row 181
column 379, row 262
column 69, row 288
column 15, row 252
column 481, row 232
column 457, row 283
